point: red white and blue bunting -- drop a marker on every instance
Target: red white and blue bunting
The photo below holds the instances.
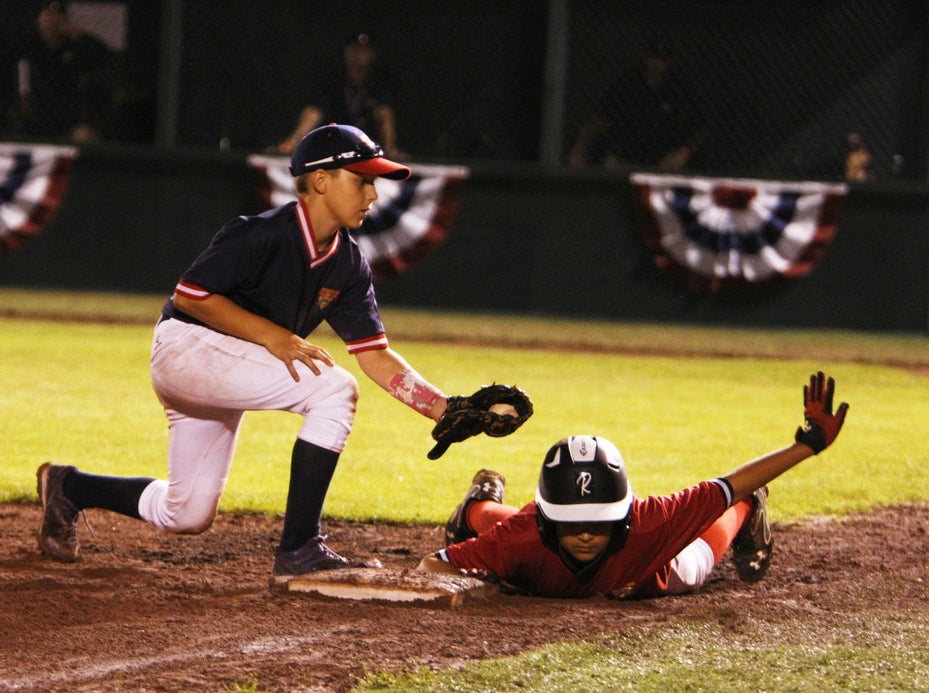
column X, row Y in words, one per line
column 409, row 219
column 721, row 232
column 33, row 181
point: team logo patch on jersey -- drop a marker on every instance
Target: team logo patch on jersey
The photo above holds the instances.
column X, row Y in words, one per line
column 325, row 297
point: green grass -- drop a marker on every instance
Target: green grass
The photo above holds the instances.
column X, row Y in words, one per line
column 692, row 656
column 79, row 392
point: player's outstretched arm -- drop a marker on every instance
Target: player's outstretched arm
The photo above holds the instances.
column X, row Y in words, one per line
column 390, row 370
column 496, row 410
column 820, row 429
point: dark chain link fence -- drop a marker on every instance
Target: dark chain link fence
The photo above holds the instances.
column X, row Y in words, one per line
column 753, row 88
column 768, row 87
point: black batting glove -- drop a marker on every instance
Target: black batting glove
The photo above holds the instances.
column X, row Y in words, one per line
column 821, row 425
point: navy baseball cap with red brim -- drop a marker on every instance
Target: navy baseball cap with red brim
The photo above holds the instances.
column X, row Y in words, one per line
column 344, row 146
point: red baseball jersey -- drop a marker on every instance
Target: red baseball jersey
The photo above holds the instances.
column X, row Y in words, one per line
column 661, row 527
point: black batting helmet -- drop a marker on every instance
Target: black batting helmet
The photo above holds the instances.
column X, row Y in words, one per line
column 583, row 479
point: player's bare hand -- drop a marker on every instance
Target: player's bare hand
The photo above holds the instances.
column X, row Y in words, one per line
column 478, row 573
column 487, row 576
column 292, row 348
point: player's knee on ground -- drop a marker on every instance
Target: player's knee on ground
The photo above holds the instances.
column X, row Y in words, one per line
column 190, row 523
column 189, row 515
column 329, row 411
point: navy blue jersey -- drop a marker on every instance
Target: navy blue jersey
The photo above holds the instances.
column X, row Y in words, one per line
column 270, row 265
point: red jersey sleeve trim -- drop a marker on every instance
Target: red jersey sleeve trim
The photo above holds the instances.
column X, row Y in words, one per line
column 367, row 344
column 191, row 291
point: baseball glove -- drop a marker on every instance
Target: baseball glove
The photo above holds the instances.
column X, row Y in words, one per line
column 468, row 416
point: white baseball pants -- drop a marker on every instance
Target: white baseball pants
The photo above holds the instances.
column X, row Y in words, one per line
column 206, row 381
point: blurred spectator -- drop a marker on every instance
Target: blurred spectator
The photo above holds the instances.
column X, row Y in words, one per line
column 857, row 159
column 360, row 95
column 62, row 85
column 647, row 118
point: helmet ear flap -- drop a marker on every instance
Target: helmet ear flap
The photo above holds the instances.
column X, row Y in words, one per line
column 547, row 531
column 620, row 533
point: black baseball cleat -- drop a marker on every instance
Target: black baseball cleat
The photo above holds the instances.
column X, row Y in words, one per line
column 312, row 557
column 486, row 485
column 58, row 531
column 754, row 543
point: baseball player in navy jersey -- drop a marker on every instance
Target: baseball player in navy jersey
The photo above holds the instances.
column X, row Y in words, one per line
column 234, row 338
column 586, row 533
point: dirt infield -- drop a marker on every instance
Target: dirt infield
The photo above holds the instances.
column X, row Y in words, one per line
column 148, row 611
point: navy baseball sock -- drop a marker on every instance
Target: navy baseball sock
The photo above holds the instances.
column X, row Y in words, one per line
column 119, row 494
column 311, row 470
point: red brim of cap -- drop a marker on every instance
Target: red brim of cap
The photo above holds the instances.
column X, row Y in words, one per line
column 379, row 166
